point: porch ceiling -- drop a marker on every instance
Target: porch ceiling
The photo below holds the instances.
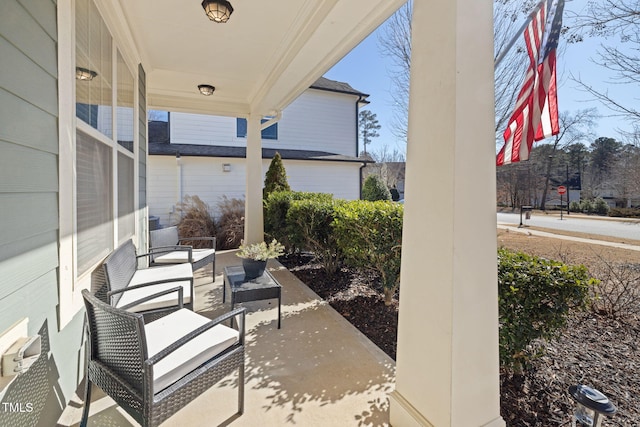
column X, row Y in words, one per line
column 261, row 60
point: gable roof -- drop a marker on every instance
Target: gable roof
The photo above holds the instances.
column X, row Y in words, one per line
column 195, row 150
column 324, row 83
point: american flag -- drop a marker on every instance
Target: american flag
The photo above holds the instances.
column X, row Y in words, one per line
column 535, row 116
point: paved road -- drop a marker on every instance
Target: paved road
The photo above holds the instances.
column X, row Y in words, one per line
column 622, row 229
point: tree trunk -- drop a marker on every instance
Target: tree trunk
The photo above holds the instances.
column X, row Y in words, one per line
column 546, row 184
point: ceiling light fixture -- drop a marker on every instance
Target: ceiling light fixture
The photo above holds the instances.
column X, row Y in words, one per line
column 218, row 10
column 85, row 74
column 206, row 90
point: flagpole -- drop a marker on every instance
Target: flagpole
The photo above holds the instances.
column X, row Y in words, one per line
column 516, row 36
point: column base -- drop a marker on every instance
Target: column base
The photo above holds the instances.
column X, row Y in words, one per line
column 403, row 414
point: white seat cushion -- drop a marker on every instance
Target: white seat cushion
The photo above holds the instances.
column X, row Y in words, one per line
column 146, row 275
column 178, row 257
column 168, row 329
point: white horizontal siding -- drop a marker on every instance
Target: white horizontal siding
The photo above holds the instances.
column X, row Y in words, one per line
column 204, row 177
column 338, row 178
column 162, row 186
column 203, row 129
column 317, row 120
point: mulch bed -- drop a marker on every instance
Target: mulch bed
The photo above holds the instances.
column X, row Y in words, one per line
column 594, row 350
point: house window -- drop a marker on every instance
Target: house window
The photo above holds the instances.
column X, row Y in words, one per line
column 94, row 98
column 93, row 201
column 269, row 133
column 104, row 150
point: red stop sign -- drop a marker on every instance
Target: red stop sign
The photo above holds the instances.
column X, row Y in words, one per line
column 562, row 189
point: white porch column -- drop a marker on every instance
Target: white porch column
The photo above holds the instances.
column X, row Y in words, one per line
column 253, row 217
column 447, row 360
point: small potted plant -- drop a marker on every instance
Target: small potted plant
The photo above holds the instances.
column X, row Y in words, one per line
column 255, row 256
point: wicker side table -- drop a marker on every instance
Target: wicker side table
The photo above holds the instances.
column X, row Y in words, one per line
column 263, row 287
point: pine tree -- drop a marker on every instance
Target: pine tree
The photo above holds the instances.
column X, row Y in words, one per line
column 369, row 126
column 375, row 189
column 276, row 178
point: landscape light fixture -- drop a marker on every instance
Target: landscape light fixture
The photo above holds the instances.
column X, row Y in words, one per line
column 218, row 10
column 592, row 406
column 206, row 90
column 85, row 74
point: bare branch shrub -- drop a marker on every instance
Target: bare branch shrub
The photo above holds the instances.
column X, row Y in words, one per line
column 195, row 220
column 230, row 223
column 618, row 293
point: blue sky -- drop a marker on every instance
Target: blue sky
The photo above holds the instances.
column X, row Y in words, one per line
column 367, row 70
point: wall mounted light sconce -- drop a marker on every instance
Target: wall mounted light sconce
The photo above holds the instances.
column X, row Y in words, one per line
column 218, row 10
column 206, row 90
column 85, row 74
column 178, row 159
column 226, row 167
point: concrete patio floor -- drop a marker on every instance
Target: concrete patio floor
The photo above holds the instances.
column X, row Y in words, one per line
column 317, row 370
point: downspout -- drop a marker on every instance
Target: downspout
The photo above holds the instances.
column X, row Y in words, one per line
column 178, row 183
column 362, row 166
column 362, row 99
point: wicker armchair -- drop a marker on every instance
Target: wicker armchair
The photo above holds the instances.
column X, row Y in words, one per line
column 153, row 370
column 165, row 248
column 130, row 288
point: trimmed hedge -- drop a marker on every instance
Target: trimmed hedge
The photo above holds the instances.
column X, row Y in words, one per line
column 309, row 223
column 369, row 235
column 535, row 297
column 276, row 206
column 625, row 212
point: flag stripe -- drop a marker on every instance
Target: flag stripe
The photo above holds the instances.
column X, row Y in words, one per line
column 535, row 115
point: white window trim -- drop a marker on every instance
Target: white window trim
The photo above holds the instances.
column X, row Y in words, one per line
column 70, row 285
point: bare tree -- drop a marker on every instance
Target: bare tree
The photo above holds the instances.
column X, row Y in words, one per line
column 618, row 22
column 387, row 154
column 395, row 42
column 389, row 165
column 574, row 128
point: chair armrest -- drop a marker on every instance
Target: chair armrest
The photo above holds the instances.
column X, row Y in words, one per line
column 201, row 239
column 193, row 334
column 167, row 249
column 155, row 295
column 155, row 282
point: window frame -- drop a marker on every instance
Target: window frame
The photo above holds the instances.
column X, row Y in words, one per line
column 70, row 282
column 270, row 133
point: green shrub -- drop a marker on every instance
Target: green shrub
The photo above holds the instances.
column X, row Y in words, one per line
column 230, row 223
column 276, row 177
column 535, row 297
column 276, row 207
column 600, row 206
column 587, row 206
column 195, row 220
column 625, row 212
column 375, row 189
column 575, row 207
column 369, row 235
column 309, row 224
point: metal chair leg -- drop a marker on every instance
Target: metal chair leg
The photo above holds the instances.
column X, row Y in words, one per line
column 241, row 389
column 87, row 403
